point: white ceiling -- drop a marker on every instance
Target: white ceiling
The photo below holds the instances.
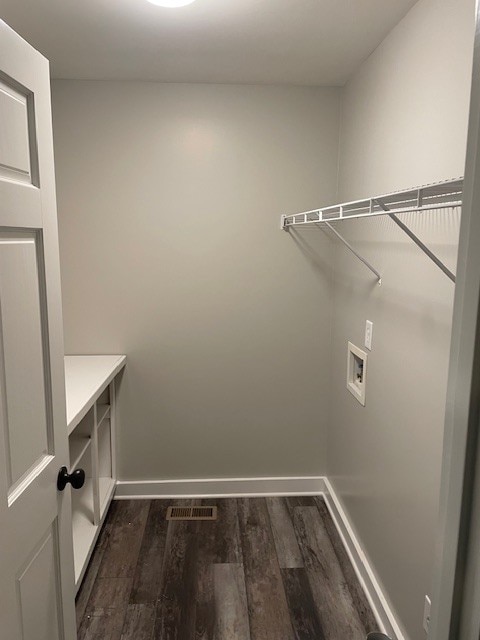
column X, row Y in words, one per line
column 312, row 42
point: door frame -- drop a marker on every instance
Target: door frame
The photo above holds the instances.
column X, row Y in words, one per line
column 456, row 583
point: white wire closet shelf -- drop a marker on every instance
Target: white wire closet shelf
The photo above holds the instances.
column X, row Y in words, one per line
column 433, row 197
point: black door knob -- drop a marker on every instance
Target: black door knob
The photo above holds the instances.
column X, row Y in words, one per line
column 76, row 479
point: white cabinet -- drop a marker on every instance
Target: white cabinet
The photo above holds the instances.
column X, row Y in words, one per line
column 91, row 386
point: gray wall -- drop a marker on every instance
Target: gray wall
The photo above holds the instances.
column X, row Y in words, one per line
column 169, row 199
column 404, row 124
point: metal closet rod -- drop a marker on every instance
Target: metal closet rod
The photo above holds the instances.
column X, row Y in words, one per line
column 443, row 195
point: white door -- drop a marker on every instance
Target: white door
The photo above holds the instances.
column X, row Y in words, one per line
column 36, row 555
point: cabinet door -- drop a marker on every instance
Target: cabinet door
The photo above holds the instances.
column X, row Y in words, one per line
column 36, row 556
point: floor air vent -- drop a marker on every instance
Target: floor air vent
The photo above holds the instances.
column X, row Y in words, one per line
column 192, row 513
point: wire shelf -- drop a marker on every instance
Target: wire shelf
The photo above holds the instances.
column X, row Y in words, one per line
column 443, row 195
column 432, row 197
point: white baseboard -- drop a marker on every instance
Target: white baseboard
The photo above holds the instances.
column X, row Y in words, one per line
column 260, row 487
column 371, row 586
column 219, row 487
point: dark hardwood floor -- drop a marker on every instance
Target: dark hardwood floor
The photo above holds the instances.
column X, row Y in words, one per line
column 267, row 569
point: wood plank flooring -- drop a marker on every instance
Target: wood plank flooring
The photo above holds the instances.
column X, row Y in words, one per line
column 267, row 569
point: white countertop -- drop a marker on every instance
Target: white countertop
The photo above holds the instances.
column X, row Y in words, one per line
column 86, row 377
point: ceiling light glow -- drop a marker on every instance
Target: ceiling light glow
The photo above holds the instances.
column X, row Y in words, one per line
column 171, row 3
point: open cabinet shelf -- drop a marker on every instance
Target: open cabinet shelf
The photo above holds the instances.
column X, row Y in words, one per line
column 105, row 471
column 91, row 389
column 78, row 446
column 103, row 411
column 83, row 527
column 106, row 489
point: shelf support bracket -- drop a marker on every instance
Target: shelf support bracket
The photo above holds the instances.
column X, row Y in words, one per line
column 417, row 241
column 355, row 253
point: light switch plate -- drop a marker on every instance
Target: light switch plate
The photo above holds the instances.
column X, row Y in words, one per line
column 368, row 334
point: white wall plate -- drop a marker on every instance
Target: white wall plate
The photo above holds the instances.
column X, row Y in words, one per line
column 357, row 372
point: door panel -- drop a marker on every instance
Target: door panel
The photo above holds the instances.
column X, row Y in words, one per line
column 40, row 607
column 14, row 135
column 36, row 552
column 23, row 388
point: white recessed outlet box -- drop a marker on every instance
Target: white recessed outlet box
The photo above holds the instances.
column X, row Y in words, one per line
column 357, row 372
column 426, row 614
column 368, row 334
